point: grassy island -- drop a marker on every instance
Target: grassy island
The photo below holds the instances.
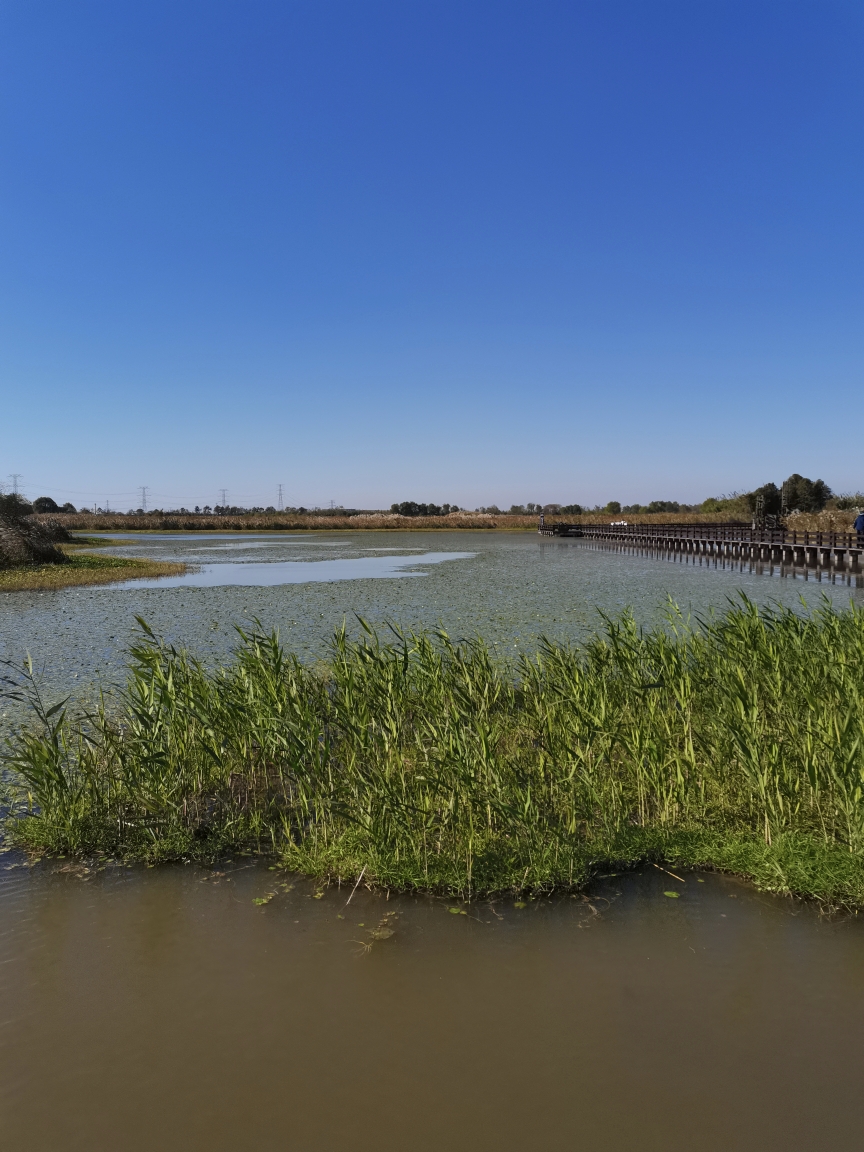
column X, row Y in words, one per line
column 81, row 568
column 41, row 554
column 735, row 742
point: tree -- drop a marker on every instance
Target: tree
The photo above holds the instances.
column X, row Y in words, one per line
column 45, row 504
column 14, row 506
column 771, row 496
column 664, row 506
column 613, row 506
column 805, row 495
column 412, row 508
column 798, row 494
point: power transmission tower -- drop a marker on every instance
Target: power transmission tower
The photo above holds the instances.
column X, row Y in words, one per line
column 279, row 500
column 224, row 492
column 332, row 504
column 144, row 497
column 15, row 477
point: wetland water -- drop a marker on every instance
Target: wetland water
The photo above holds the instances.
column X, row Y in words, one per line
column 509, row 587
column 162, row 1008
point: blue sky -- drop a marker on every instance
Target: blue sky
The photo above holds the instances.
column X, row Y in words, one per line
column 453, row 251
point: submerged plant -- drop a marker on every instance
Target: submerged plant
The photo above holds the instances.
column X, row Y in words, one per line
column 736, row 741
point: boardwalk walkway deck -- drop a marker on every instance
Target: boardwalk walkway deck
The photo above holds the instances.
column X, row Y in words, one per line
column 736, row 541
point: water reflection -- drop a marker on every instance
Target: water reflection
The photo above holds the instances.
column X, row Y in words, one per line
column 828, row 574
column 274, row 572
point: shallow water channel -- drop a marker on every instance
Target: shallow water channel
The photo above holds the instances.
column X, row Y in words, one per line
column 164, row 1008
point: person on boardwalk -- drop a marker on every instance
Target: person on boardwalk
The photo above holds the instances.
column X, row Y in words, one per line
column 859, row 527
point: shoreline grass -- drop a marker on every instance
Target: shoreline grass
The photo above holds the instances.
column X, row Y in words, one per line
column 88, row 542
column 734, row 743
column 82, row 569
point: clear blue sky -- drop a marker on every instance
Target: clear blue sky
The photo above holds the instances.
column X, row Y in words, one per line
column 454, row 251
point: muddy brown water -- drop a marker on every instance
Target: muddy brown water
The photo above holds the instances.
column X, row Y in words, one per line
column 164, row 1009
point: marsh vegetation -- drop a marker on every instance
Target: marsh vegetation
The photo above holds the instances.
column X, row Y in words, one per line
column 735, row 742
column 40, row 554
column 78, row 569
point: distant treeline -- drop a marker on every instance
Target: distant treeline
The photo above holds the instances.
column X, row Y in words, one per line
column 45, row 506
column 796, row 494
column 411, row 508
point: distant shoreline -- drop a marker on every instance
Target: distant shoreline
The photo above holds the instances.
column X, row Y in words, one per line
column 391, row 522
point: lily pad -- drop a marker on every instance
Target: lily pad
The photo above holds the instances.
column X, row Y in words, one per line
column 672, row 895
column 520, row 904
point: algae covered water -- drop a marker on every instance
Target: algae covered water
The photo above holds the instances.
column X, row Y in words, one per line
column 511, row 588
column 180, row 1008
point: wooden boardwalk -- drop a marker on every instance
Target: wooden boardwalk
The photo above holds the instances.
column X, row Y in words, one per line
column 842, row 550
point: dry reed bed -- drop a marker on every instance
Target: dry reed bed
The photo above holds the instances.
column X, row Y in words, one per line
column 737, row 743
column 385, row 521
column 289, row 522
column 828, row 521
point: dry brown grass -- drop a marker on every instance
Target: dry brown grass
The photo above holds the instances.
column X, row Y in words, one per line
column 377, row 522
column 827, row 521
column 294, row 522
column 648, row 518
column 84, row 569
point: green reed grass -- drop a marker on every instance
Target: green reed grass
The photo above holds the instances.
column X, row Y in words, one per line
column 734, row 742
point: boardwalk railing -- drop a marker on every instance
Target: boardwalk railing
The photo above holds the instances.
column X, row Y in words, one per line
column 738, row 540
